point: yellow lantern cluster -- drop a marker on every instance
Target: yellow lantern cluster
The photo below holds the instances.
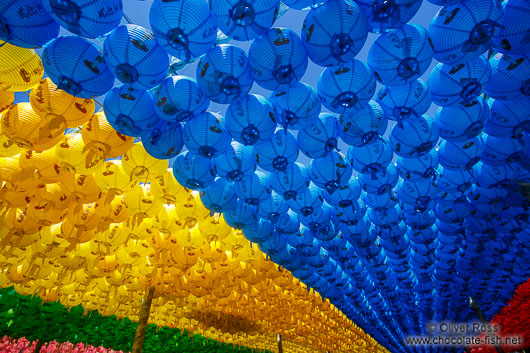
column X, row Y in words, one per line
column 90, row 218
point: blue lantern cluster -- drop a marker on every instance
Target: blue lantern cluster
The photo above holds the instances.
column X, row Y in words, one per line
column 395, row 216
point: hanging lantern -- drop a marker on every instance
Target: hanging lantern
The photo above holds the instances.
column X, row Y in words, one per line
column 20, row 68
column 74, row 157
column 140, row 166
column 101, row 139
column 28, row 129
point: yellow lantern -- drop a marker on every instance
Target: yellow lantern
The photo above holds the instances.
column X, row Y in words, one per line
column 19, row 223
column 76, row 233
column 100, row 137
column 141, row 166
column 214, row 228
column 113, row 180
column 20, row 68
column 74, row 157
column 8, row 147
column 165, row 186
column 45, row 213
column 81, row 188
column 6, row 100
column 142, row 203
column 114, row 212
column 59, row 107
column 184, row 258
column 191, row 210
column 134, row 252
column 27, row 129
column 13, row 176
column 43, row 166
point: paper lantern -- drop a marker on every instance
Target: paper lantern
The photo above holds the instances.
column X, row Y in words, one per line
column 101, row 139
column 21, row 69
column 140, row 166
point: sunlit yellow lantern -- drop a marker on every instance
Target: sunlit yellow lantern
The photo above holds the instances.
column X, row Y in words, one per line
column 19, row 223
column 13, row 176
column 45, row 213
column 141, row 166
column 166, row 187
column 15, row 274
column 50, row 244
column 113, row 180
column 27, row 129
column 191, row 210
column 142, row 203
column 115, row 235
column 81, row 188
column 73, row 156
column 214, row 228
column 76, row 233
column 184, row 258
column 42, row 166
column 107, row 264
column 236, row 241
column 7, row 99
column 103, row 139
column 37, row 268
column 59, row 107
column 114, row 212
column 8, row 147
column 134, row 252
column 20, row 68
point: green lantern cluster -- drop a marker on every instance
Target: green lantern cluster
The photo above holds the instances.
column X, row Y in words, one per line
column 29, row 317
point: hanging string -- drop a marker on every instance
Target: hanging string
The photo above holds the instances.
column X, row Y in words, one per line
column 127, row 19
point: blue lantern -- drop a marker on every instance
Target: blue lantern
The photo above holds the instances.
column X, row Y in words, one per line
column 307, row 201
column 462, row 32
column 345, row 195
column 452, row 181
column 244, row 20
column 258, row 232
column 348, row 87
column 193, row 171
column 510, row 77
column 223, row 74
column 242, row 216
column 463, row 121
column 400, row 56
column 320, row 137
column 26, row 24
column 380, row 182
column 253, row 188
column 273, row 207
column 296, row 107
column 130, row 111
column 277, row 59
column 460, row 155
column 459, row 84
column 384, row 15
column 508, row 118
column 76, row 66
column 219, row 196
column 291, row 181
column 402, row 102
column 331, row 172
column 288, row 223
column 86, row 18
column 303, row 4
column 206, row 135
column 335, row 32
column 236, row 162
column 371, row 158
column 415, row 137
column 363, row 126
column 278, row 152
column 501, row 150
column 178, row 98
column 488, row 176
column 135, row 57
column 512, row 37
column 419, row 167
column 165, row 141
column 185, row 30
column 251, row 120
